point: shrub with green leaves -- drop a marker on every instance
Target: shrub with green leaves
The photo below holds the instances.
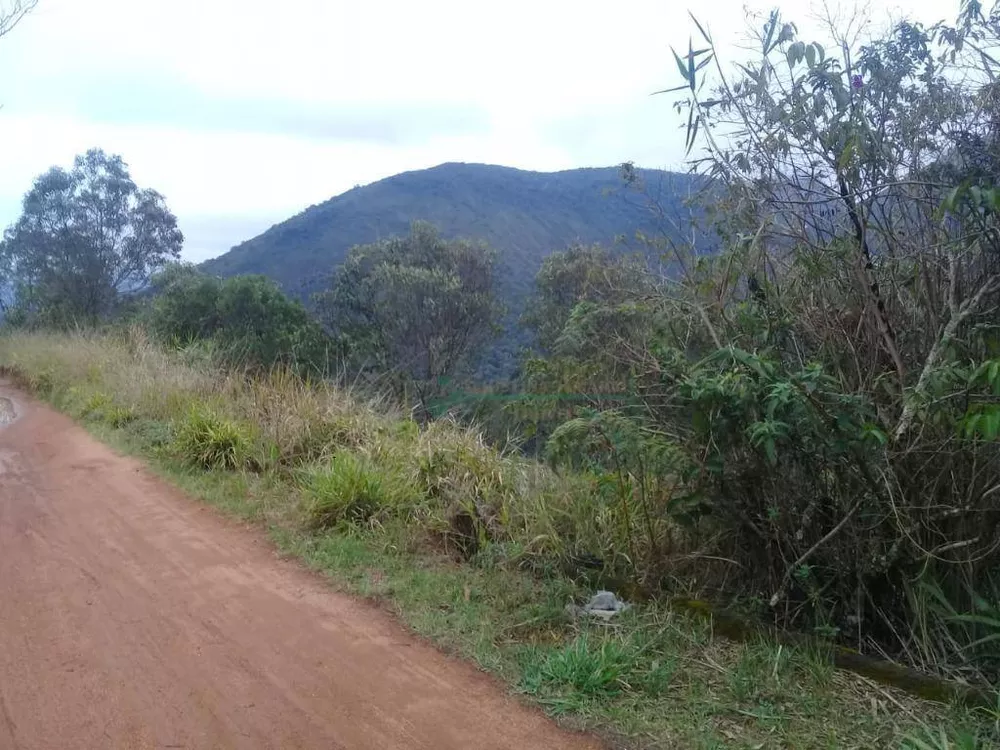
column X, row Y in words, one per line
column 248, row 320
column 810, row 414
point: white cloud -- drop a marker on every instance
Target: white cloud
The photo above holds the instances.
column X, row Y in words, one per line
column 243, row 112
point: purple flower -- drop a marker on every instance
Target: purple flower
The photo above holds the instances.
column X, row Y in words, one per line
column 856, row 81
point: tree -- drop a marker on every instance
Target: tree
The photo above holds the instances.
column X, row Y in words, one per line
column 253, row 323
column 84, row 238
column 581, row 274
column 414, row 309
column 186, row 304
column 263, row 326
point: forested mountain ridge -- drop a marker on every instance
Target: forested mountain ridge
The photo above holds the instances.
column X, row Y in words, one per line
column 524, row 215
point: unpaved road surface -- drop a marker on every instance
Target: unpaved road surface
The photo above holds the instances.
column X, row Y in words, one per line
column 133, row 617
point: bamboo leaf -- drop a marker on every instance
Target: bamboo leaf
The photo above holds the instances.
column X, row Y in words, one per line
column 694, row 135
column 690, row 127
column 704, row 33
column 772, row 24
column 670, row 91
column 690, row 58
column 681, row 66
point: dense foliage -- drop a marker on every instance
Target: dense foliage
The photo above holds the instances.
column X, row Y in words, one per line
column 806, row 420
column 523, row 215
column 248, row 319
column 812, row 415
column 413, row 310
column 85, row 238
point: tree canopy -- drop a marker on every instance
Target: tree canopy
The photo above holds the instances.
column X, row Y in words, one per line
column 85, row 237
column 417, row 307
column 581, row 274
column 248, row 318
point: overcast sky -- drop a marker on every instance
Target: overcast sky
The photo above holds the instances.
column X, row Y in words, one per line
column 243, row 113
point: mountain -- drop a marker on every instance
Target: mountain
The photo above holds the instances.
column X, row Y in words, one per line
column 524, row 215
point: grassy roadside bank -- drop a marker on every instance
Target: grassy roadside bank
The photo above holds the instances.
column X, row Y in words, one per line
column 463, row 544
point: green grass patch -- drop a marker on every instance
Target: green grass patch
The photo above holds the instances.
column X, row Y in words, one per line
column 211, row 441
column 352, row 489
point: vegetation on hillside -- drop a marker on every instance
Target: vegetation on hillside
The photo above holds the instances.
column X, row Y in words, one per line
column 388, row 509
column 523, row 215
column 804, row 424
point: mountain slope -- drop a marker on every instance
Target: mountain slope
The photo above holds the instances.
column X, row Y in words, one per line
column 524, row 215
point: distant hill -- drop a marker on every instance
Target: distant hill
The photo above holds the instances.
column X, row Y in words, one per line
column 524, row 215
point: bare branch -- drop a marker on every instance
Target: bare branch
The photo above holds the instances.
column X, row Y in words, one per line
column 12, row 13
column 959, row 313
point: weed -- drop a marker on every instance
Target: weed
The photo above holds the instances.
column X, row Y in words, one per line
column 119, row 416
column 95, row 404
column 942, row 738
column 596, row 666
column 151, row 435
column 350, row 489
column 207, row 440
column 587, row 666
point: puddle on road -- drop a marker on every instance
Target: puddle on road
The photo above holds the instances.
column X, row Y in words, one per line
column 7, row 412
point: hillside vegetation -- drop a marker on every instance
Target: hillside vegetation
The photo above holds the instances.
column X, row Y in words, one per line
column 802, row 427
column 522, row 215
column 386, row 508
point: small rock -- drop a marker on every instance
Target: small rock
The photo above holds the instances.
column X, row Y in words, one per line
column 603, row 604
column 603, row 600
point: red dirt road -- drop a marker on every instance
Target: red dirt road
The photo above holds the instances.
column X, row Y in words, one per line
column 132, row 617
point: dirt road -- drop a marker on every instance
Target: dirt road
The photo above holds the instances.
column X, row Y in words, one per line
column 133, row 617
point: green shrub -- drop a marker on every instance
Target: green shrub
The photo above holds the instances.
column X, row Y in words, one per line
column 322, row 438
column 212, row 442
column 351, row 489
column 244, row 321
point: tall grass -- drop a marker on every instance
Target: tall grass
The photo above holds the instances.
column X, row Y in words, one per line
column 354, row 460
